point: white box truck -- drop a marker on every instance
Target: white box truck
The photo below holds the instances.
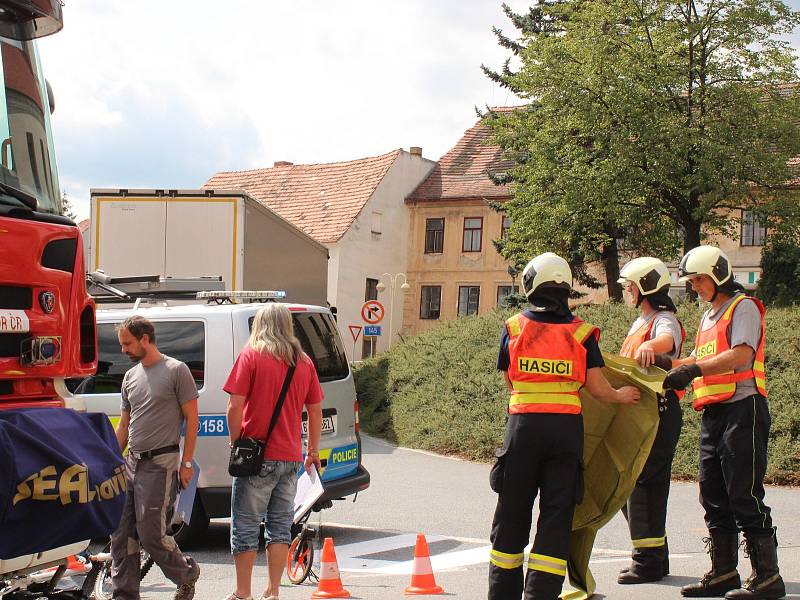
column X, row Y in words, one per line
column 205, row 233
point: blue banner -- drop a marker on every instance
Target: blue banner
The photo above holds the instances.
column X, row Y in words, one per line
column 62, row 479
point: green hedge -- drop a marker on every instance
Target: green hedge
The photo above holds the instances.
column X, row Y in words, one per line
column 440, row 390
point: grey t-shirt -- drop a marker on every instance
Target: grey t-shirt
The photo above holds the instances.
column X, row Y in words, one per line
column 745, row 330
column 665, row 322
column 154, row 396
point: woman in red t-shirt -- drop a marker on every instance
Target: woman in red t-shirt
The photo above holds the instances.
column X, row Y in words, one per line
column 254, row 386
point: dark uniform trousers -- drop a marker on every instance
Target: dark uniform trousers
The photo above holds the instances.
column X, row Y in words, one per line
column 733, row 461
column 646, row 510
column 542, row 453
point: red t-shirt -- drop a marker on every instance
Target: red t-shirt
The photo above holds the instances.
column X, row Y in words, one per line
column 259, row 379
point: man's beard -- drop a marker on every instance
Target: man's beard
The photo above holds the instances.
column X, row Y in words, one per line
column 134, row 358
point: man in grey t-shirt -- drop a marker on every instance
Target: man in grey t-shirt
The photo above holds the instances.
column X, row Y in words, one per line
column 158, row 395
column 730, row 390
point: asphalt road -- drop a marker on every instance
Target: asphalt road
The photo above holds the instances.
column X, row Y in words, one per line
column 450, row 502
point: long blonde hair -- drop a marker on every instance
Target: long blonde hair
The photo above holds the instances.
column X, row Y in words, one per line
column 273, row 333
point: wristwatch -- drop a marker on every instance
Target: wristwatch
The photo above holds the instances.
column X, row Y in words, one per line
column 187, row 464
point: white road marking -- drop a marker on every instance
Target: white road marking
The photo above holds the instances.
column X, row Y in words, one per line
column 352, row 558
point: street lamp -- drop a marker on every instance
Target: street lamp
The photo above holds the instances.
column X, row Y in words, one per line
column 392, row 283
column 513, row 272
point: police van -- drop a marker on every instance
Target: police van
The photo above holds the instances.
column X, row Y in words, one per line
column 208, row 338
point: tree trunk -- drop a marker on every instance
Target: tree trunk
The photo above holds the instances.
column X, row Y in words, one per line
column 691, row 239
column 610, row 259
column 691, row 236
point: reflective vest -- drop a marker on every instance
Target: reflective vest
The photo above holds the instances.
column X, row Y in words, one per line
column 640, row 336
column 711, row 389
column 547, row 365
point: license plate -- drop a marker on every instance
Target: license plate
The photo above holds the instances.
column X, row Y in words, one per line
column 328, row 425
column 14, row 321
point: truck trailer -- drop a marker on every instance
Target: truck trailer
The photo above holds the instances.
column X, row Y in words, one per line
column 205, row 233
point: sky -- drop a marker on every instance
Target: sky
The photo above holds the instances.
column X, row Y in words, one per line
column 163, row 94
column 156, row 94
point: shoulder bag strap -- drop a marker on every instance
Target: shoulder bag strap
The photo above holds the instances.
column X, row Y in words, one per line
column 279, row 405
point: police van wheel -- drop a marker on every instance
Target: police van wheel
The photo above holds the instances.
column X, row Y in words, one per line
column 188, row 534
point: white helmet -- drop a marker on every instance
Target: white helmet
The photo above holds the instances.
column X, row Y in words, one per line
column 705, row 260
column 546, row 269
column 648, row 274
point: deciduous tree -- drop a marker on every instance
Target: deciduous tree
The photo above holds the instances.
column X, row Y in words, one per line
column 648, row 120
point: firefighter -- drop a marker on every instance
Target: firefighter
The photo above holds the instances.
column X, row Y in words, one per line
column 656, row 331
column 726, row 370
column 547, row 355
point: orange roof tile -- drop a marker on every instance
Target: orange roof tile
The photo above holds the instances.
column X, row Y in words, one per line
column 323, row 200
column 84, row 225
column 463, row 171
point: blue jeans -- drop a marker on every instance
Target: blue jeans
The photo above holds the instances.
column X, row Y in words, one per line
column 268, row 497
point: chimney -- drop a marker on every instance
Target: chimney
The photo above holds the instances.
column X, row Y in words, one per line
column 415, row 151
column 283, row 163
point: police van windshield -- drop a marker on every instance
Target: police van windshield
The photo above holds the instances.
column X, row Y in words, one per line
column 28, row 175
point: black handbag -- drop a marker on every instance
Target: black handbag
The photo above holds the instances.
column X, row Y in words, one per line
column 247, row 454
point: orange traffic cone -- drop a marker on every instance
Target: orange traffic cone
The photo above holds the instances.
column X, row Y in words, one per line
column 75, row 566
column 330, row 583
column 422, row 580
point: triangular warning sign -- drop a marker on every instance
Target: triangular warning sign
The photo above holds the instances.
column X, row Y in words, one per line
column 355, row 331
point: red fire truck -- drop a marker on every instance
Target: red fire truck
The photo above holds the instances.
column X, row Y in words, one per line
column 47, row 329
column 47, row 325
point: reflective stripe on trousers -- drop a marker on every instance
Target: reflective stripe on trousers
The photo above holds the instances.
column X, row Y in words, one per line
column 548, row 564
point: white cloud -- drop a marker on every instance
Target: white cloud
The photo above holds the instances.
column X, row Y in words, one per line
column 164, row 94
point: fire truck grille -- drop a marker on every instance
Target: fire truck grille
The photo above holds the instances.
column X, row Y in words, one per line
column 10, row 344
column 15, row 297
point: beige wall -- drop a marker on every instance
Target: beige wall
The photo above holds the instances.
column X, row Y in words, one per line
column 746, row 260
column 452, row 268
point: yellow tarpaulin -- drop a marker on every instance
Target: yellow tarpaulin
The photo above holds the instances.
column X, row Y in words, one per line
column 617, row 442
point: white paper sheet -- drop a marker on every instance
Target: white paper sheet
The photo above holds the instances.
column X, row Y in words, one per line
column 309, row 490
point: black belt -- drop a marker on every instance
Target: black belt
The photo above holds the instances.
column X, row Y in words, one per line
column 156, row 452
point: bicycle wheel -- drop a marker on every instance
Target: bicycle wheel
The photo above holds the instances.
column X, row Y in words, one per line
column 102, row 585
column 300, row 559
column 102, row 579
column 146, row 562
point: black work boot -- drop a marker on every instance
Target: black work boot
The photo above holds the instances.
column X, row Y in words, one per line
column 723, row 576
column 765, row 582
column 647, row 565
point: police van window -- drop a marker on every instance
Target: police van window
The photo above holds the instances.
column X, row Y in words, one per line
column 182, row 340
column 320, row 340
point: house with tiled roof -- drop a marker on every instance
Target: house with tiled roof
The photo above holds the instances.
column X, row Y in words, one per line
column 356, row 209
column 453, row 267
